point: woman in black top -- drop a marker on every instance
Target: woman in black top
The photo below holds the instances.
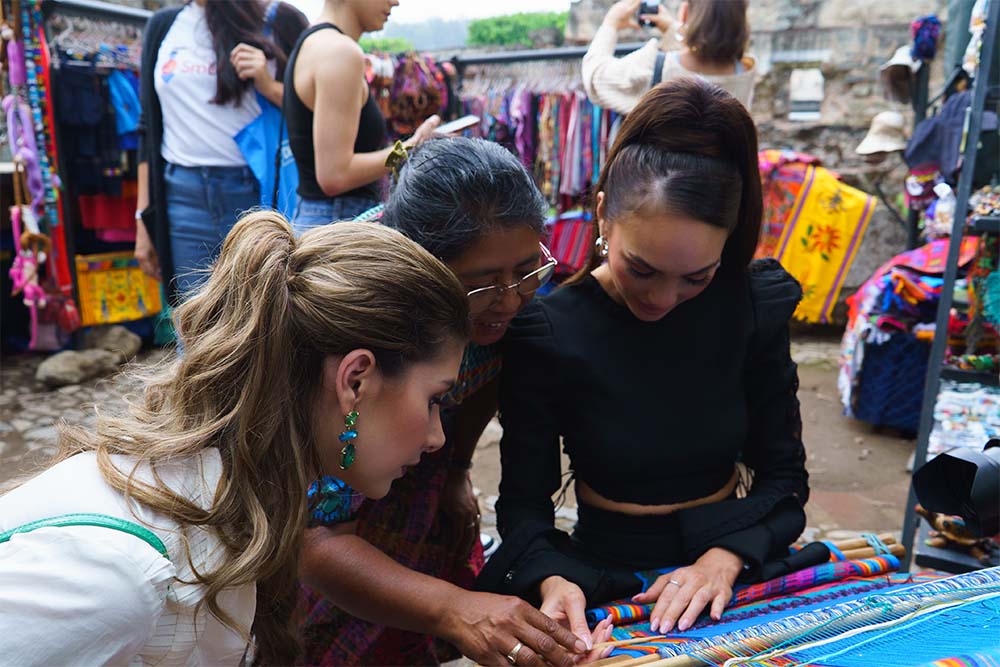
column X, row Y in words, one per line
column 335, row 129
column 662, row 367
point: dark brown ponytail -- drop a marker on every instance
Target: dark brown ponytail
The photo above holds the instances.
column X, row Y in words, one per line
column 687, row 148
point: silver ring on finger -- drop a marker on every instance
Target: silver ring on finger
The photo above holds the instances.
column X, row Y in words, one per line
column 675, row 583
column 512, row 656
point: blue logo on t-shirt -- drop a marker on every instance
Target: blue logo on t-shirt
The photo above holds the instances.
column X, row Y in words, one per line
column 169, row 67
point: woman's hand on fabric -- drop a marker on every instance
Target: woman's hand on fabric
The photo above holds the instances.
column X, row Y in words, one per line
column 487, row 628
column 149, row 262
column 250, row 63
column 622, row 15
column 683, row 594
column 565, row 602
column 425, row 131
column 460, row 507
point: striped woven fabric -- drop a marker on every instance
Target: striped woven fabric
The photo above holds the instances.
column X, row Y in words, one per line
column 744, row 615
column 989, row 659
column 624, row 611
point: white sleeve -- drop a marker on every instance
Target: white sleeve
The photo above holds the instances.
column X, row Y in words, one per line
column 78, row 596
column 616, row 83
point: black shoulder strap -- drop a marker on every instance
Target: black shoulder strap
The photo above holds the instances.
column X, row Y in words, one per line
column 658, row 69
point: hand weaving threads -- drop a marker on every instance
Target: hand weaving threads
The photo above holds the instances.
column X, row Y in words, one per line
column 889, row 617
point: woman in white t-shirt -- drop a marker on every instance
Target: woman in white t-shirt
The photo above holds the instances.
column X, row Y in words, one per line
column 202, row 67
column 182, row 517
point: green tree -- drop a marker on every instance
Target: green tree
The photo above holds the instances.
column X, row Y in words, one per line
column 385, row 44
column 514, row 29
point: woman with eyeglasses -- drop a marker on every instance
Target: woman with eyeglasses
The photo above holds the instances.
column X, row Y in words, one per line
column 472, row 205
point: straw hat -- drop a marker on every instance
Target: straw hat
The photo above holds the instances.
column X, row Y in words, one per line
column 897, row 75
column 887, row 134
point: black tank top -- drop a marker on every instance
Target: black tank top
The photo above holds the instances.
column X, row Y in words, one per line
column 371, row 131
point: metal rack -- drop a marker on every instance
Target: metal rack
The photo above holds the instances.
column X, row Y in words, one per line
column 532, row 55
column 935, row 370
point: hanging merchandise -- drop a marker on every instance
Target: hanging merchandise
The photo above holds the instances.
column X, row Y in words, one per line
column 977, row 26
column 542, row 115
column 885, row 346
column 418, row 88
column 31, row 250
column 782, row 174
column 822, row 235
column 925, row 33
column 113, row 289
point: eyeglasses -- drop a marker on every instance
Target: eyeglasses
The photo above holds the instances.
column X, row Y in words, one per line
column 481, row 299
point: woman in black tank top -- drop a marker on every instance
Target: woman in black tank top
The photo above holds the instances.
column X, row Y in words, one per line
column 340, row 166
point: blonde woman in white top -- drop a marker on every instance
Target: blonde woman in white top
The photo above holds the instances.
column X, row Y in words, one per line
column 713, row 35
column 327, row 354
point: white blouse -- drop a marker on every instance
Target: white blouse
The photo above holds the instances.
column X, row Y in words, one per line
column 619, row 83
column 86, row 595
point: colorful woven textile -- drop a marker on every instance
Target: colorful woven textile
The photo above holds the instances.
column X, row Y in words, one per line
column 746, row 615
column 781, row 176
column 821, row 239
column 626, row 612
column 989, row 659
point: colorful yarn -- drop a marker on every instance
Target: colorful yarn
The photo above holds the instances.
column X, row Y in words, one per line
column 925, row 31
column 989, row 659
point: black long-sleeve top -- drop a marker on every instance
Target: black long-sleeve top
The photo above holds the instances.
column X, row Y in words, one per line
column 652, row 413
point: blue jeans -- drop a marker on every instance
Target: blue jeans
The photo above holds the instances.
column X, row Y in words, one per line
column 203, row 204
column 311, row 213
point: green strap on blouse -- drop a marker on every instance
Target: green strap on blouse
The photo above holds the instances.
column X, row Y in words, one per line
column 98, row 520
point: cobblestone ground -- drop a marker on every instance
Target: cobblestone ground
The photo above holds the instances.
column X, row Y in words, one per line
column 858, row 476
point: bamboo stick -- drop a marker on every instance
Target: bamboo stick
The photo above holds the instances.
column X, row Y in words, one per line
column 677, row 661
column 861, row 543
column 628, row 642
column 631, row 662
column 617, row 660
column 895, row 549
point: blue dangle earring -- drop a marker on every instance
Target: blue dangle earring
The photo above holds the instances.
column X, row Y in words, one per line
column 350, row 434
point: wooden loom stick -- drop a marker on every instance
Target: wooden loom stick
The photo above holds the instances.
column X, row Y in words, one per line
column 628, row 662
column 861, row 543
column 628, row 642
column 895, row 549
column 617, row 660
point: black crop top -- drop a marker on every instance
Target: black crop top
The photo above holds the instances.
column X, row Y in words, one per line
column 657, row 413
column 299, row 118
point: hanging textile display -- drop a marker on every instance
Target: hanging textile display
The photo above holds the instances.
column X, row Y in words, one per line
column 821, row 237
column 540, row 113
column 782, row 174
column 409, row 89
column 40, row 271
column 884, row 350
